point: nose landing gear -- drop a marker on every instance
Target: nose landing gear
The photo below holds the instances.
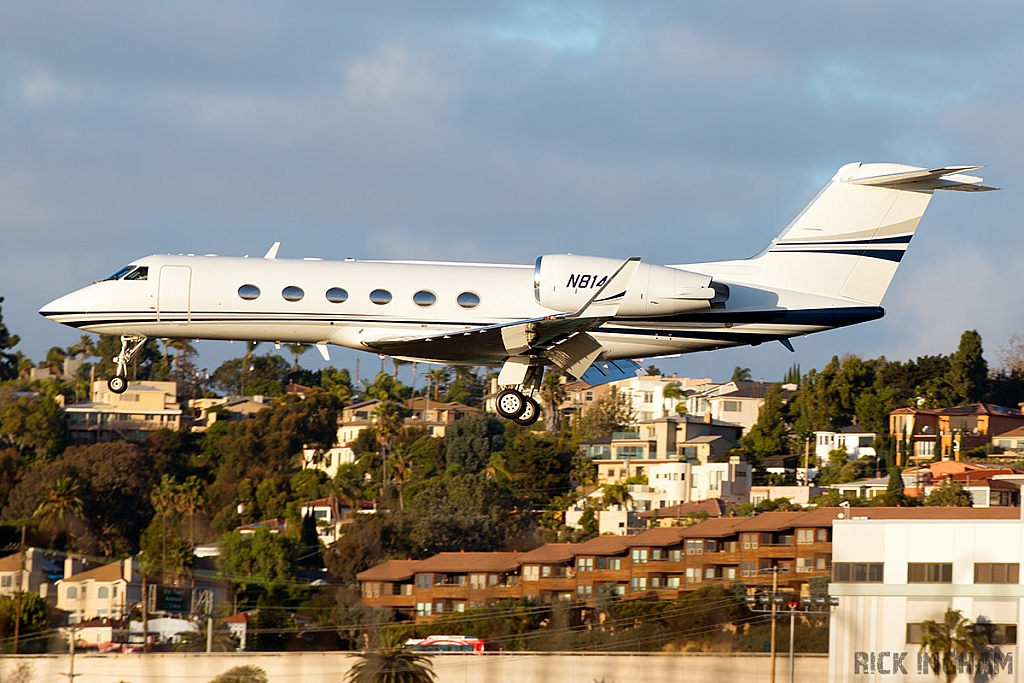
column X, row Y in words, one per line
column 130, row 345
column 513, row 405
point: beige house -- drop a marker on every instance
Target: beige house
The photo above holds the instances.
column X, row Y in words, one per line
column 231, row 408
column 28, row 571
column 108, row 591
column 141, row 410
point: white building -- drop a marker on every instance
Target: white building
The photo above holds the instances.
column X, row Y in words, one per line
column 908, row 565
column 110, row 590
column 798, row 495
column 856, row 441
column 735, row 402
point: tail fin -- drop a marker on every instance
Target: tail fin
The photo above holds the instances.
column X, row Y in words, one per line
column 848, row 242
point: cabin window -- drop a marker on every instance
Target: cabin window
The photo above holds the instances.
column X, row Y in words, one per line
column 468, row 300
column 423, row 298
column 249, row 292
column 337, row 295
column 292, row 293
column 380, row 297
column 140, row 273
column 120, row 274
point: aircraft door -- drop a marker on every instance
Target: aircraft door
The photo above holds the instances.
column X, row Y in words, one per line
column 174, row 296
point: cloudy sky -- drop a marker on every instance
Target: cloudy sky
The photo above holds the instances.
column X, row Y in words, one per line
column 504, row 130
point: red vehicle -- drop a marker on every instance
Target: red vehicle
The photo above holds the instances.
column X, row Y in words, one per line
column 446, row 645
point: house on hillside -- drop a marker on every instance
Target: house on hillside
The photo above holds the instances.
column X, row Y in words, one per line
column 947, row 433
column 142, row 409
column 734, row 402
column 856, row 441
column 109, row 590
column 27, row 571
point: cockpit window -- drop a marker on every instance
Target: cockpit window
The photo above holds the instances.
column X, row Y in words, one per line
column 140, row 273
column 121, row 273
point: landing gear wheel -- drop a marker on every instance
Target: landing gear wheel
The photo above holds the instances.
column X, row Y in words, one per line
column 130, row 345
column 530, row 414
column 510, row 404
column 117, row 384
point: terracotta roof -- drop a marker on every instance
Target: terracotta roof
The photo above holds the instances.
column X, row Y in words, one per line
column 108, row 572
column 982, row 409
column 978, row 475
column 102, row 622
column 770, row 521
column 392, row 570
column 715, row 507
column 240, row 618
column 603, row 545
column 459, row 563
column 549, row 553
column 659, row 537
column 712, row 528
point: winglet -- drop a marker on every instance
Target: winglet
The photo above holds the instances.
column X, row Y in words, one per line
column 272, row 252
column 603, row 305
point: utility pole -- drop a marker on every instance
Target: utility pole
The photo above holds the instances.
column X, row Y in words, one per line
column 792, row 633
column 71, row 651
column 21, row 581
column 145, row 615
column 775, row 589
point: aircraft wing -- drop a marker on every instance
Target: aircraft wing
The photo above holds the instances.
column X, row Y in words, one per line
column 561, row 337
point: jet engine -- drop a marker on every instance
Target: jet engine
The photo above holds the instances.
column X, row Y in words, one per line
column 565, row 282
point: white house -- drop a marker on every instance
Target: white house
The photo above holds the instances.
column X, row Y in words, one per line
column 854, row 439
column 735, row 402
column 909, row 565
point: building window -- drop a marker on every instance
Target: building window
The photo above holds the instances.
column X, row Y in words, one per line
column 423, row 609
column 656, row 554
column 615, row 564
column 731, row 406
column 672, row 582
column 804, row 536
column 6, row 581
column 478, row 581
column 640, row 556
column 693, row 575
column 72, row 593
column 675, row 555
column 585, row 591
column 468, row 300
column 492, row 579
column 988, row 572
column 336, row 295
column 750, row 541
column 585, row 564
column 822, row 535
column 639, row 583
column 858, row 572
column 929, row 572
column 914, row 634
column 589, row 396
column 694, row 547
column 648, row 397
column 531, row 573
column 380, row 297
column 999, row 634
column 103, row 592
column 424, row 580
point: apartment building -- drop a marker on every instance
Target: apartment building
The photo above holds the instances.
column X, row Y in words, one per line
column 733, row 402
column 892, row 572
column 141, row 410
column 856, row 441
column 659, row 563
column 945, row 434
column 110, row 590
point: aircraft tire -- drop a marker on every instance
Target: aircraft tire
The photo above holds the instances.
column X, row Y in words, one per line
column 510, row 404
column 530, row 414
column 117, row 384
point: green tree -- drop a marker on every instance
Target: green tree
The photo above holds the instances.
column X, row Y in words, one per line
column 615, row 494
column 195, row 641
column 673, row 393
column 949, row 494
column 162, row 499
column 740, row 374
column 792, row 375
column 8, row 361
column 261, row 560
column 950, row 641
column 385, row 388
column 35, row 425
column 611, row 413
column 297, row 350
column 391, row 662
column 770, row 434
column 968, row 371
column 36, row 620
column 62, row 503
column 188, row 499
column 242, row 674
column 470, row 441
column 338, row 383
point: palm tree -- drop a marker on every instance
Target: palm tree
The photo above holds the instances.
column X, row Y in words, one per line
column 195, row 641
column 741, row 374
column 616, row 494
column 672, row 392
column 552, row 393
column 390, row 416
column 297, row 350
column 583, row 471
column 188, row 499
column 389, row 662
column 163, row 501
column 62, row 502
column 952, row 639
column 439, row 378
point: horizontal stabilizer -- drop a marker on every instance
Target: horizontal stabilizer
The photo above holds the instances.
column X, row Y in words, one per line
column 603, row 372
column 946, row 178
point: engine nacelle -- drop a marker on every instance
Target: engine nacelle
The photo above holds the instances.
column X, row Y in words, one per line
column 565, row 282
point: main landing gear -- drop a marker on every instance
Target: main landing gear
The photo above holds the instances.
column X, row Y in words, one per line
column 513, row 405
column 130, row 345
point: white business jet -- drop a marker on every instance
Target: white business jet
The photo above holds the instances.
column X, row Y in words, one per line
column 582, row 314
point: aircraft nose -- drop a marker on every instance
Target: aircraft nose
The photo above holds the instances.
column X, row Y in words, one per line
column 69, row 303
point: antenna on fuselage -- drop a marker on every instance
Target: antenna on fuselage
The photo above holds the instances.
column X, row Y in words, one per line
column 272, row 252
